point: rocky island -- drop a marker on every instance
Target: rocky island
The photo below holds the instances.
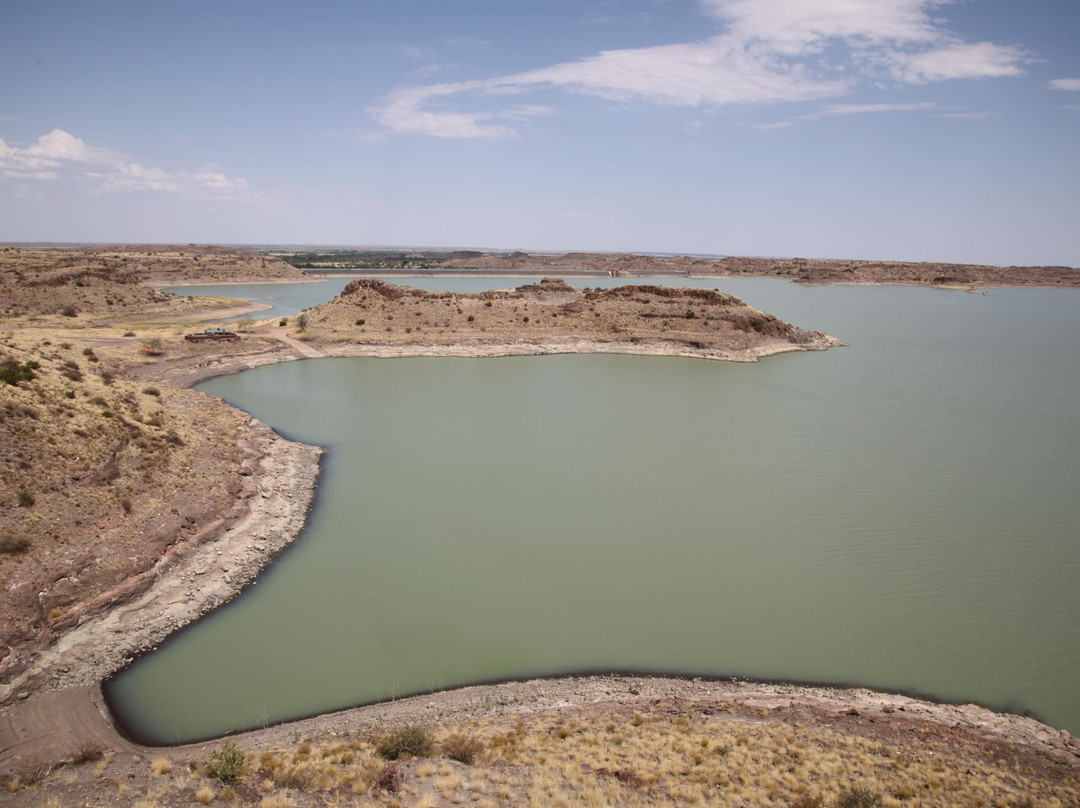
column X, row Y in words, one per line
column 378, row 318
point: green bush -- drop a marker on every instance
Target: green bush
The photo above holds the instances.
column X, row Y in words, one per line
column 361, row 322
column 226, row 765
column 26, row 499
column 14, row 372
column 410, row 741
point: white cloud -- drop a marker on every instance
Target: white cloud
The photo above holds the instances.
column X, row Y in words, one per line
column 1065, row 84
column 834, row 110
column 133, row 177
column 60, row 154
column 977, row 60
column 718, row 71
column 794, row 26
column 401, row 111
column 769, row 51
column 864, row 109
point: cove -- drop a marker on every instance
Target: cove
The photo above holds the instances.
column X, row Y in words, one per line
column 900, row 514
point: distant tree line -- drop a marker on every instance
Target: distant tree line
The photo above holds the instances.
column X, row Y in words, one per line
column 360, row 259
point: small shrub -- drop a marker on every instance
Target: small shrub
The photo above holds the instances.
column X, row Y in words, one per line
column 152, row 346
column 487, row 303
column 388, row 777
column 33, row 771
column 858, row 798
column 462, row 749
column 70, row 371
column 160, row 766
column 14, row 372
column 129, row 333
column 470, row 318
column 690, row 314
column 12, row 544
column 283, row 322
column 69, row 311
column 151, row 391
column 295, row 777
column 88, row 752
column 226, row 765
column 125, row 503
column 410, row 741
column 205, row 795
column 301, row 323
column 26, row 499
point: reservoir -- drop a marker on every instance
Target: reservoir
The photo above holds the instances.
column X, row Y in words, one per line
column 901, row 514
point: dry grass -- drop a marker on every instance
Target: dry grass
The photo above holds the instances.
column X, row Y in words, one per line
column 160, row 767
column 663, row 753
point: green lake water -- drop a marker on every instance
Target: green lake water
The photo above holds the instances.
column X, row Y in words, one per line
column 903, row 513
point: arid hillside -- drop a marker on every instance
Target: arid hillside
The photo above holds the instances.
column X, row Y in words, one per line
column 99, row 476
column 111, row 281
column 554, row 313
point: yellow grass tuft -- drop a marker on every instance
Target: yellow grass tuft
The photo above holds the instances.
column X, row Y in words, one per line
column 160, row 766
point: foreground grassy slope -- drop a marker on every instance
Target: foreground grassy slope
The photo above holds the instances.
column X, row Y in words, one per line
column 650, row 753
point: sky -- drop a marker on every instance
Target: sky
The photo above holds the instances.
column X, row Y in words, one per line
column 922, row 130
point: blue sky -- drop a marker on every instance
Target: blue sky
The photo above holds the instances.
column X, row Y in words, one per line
column 906, row 129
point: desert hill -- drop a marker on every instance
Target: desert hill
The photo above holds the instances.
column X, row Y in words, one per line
column 553, row 313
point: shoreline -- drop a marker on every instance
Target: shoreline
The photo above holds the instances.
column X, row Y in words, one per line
column 194, row 576
column 557, row 347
